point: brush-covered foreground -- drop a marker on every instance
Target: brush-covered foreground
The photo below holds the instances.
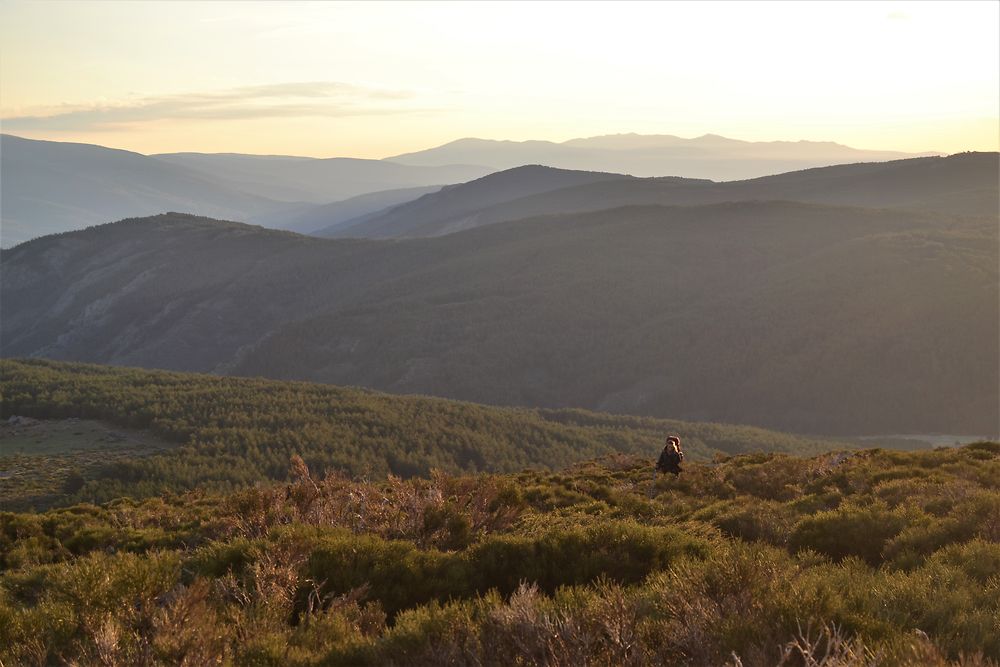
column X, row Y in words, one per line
column 864, row 558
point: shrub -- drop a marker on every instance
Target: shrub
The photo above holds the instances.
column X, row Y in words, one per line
column 849, row 531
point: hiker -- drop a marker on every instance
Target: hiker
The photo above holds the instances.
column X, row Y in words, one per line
column 671, row 456
column 669, row 461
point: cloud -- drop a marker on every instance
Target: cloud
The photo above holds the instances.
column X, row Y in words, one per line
column 278, row 100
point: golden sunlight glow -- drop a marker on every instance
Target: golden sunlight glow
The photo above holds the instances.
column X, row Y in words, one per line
column 382, row 78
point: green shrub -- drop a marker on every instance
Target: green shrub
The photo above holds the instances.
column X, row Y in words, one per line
column 754, row 520
column 849, row 531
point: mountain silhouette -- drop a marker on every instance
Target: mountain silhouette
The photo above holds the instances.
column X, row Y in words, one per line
column 709, row 156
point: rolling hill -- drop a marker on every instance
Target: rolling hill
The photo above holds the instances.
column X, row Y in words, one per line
column 707, row 157
column 803, row 317
column 965, row 183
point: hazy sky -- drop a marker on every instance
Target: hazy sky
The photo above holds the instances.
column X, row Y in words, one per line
column 377, row 79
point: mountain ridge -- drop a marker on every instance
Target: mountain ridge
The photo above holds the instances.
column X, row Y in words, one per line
column 645, row 310
column 964, row 183
column 443, row 211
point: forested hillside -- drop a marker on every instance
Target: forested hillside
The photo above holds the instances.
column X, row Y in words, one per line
column 859, row 558
column 806, row 318
column 232, row 432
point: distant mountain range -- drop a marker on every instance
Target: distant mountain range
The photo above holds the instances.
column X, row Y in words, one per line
column 49, row 187
column 868, row 306
column 709, row 156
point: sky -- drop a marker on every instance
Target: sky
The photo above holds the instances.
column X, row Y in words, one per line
column 376, row 79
